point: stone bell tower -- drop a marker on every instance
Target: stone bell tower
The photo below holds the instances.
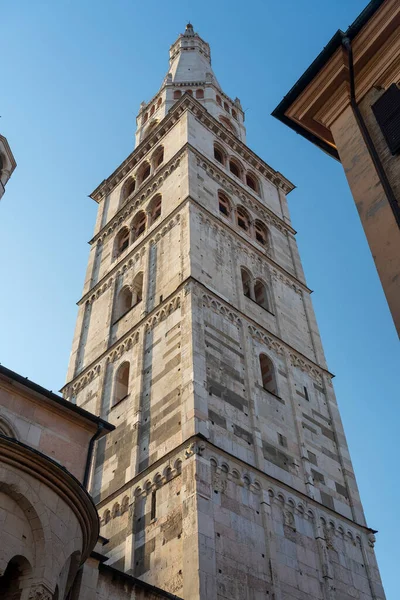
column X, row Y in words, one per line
column 228, row 475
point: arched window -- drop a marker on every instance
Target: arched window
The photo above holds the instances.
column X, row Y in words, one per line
column 127, row 189
column 234, row 114
column 226, row 107
column 153, row 108
column 138, row 225
column 155, row 209
column 199, row 94
column 261, row 233
column 121, row 389
column 219, row 154
column 158, row 157
column 252, row 182
column 177, row 94
column 260, row 294
column 123, row 303
column 246, row 282
column 144, row 172
column 268, row 374
column 116, row 511
column 224, row 204
column 235, row 168
column 225, row 121
column 243, row 219
column 159, row 102
column 219, row 101
column 121, row 241
column 18, row 569
column 145, row 117
column 190, row 92
column 137, row 288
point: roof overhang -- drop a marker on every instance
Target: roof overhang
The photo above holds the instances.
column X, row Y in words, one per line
column 322, row 92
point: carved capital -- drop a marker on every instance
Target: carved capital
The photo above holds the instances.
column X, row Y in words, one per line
column 40, row 592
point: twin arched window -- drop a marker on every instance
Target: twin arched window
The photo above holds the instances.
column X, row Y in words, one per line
column 256, row 289
column 268, row 374
column 143, row 172
column 259, row 231
column 138, row 226
column 158, row 157
column 155, row 209
column 242, row 218
column 128, row 297
column 127, row 189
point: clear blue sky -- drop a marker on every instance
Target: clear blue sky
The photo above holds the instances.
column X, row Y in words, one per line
column 73, row 74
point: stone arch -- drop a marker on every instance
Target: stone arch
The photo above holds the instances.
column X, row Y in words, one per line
column 16, row 574
column 7, row 428
column 268, row 375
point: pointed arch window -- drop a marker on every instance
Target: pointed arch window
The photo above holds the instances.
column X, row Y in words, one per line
column 200, row 94
column 123, row 303
column 137, row 289
column 224, row 204
column 246, row 282
column 243, row 219
column 121, row 241
column 261, row 294
column 121, row 389
column 261, row 233
column 155, row 209
column 177, row 94
column 138, row 225
column 252, row 182
column 268, row 374
column 219, row 154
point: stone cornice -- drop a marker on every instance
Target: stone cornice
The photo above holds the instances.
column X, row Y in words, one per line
column 187, row 102
column 173, row 302
column 138, row 197
column 42, row 468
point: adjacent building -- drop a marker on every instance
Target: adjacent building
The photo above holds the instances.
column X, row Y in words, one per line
column 348, row 103
column 228, row 474
column 7, row 164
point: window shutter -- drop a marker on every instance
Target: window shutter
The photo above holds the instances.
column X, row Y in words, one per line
column 387, row 114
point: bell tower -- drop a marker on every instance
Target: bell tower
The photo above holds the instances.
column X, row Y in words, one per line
column 228, row 474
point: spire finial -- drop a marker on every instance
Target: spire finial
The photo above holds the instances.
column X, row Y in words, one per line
column 189, row 29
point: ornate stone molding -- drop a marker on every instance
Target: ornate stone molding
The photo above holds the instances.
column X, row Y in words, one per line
column 40, row 592
column 137, row 198
column 306, row 366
